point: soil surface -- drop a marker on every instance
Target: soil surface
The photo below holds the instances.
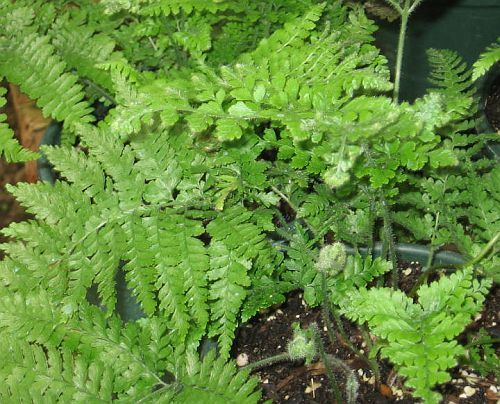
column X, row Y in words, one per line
column 296, row 382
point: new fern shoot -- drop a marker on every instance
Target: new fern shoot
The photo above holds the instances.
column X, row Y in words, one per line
column 241, row 139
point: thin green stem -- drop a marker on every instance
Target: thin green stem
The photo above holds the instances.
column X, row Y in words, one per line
column 340, row 327
column 267, row 362
column 415, row 5
column 484, row 251
column 292, row 205
column 372, row 363
column 425, row 275
column 389, row 247
column 404, row 13
column 482, row 342
column 396, row 6
column 350, row 377
column 100, row 90
column 329, row 370
column 325, row 312
column 401, row 46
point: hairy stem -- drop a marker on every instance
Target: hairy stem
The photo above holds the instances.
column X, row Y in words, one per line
column 399, row 56
column 345, row 338
column 372, row 363
column 267, row 362
column 351, row 380
column 325, row 312
column 329, row 370
column 389, row 246
column 484, row 251
column 404, row 11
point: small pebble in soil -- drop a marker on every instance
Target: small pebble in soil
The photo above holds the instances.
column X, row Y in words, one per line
column 397, row 392
column 271, row 318
column 279, row 311
column 242, row 359
column 468, row 392
column 311, row 389
column 407, row 271
column 493, row 389
column 265, row 381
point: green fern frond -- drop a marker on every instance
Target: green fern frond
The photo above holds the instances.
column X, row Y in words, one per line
column 452, row 78
column 229, row 282
column 300, row 264
column 53, row 375
column 486, row 60
column 420, row 336
column 10, row 149
column 358, row 272
column 83, row 50
column 213, row 380
column 483, row 197
column 30, row 61
column 239, row 247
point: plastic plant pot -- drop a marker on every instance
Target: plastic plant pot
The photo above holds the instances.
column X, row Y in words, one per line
column 465, row 26
column 417, row 253
column 489, row 104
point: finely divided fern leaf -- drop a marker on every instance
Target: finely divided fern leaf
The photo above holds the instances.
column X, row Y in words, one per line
column 486, row 60
column 452, row 79
column 55, row 90
column 213, row 380
column 53, row 375
column 420, row 335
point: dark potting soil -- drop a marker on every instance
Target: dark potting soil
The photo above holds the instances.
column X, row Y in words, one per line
column 295, row 382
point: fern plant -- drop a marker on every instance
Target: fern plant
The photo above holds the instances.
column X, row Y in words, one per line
column 213, row 187
column 419, row 336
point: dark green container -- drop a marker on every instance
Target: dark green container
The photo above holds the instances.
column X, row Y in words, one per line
column 465, row 26
column 488, row 84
